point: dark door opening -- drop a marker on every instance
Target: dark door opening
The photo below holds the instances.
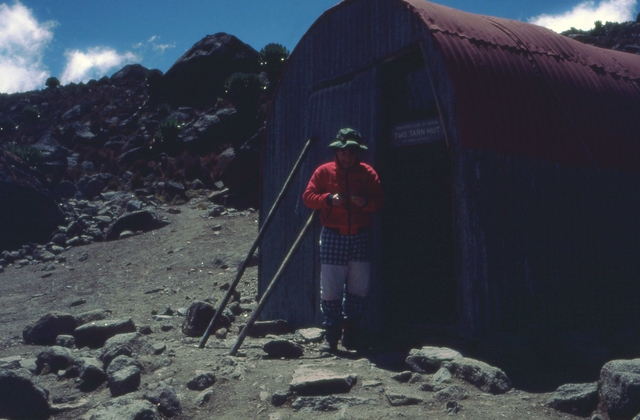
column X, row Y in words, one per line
column 417, row 236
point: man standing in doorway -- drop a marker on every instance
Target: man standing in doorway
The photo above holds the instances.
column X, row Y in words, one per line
column 347, row 191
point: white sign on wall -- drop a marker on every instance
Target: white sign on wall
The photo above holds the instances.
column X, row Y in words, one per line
column 416, row 132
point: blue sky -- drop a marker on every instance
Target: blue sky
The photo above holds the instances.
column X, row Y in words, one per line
column 80, row 40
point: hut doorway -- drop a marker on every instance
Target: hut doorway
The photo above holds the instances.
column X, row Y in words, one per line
column 417, row 234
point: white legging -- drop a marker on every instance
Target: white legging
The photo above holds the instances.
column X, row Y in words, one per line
column 356, row 275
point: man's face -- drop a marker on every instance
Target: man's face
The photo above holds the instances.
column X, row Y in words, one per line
column 347, row 157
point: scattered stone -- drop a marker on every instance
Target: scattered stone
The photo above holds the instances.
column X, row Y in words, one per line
column 95, row 334
column 124, row 376
column 164, row 397
column 11, row 363
column 402, row 377
column 264, row 328
column 90, row 371
column 166, row 327
column 577, row 399
column 310, row 381
column 66, row 341
column 280, row 398
column 620, row 387
column 222, row 333
column 283, row 348
column 442, row 376
column 78, row 302
column 21, row 398
column 198, row 317
column 453, row 392
column 145, row 329
column 416, row 378
column 486, row 377
column 159, row 348
column 204, row 397
column 94, row 315
column 452, row 407
column 124, row 408
column 125, row 344
column 400, row 398
column 429, row 359
column 54, row 359
column 371, row 383
column 328, row 403
column 201, row 381
column 310, row 335
column 47, row 328
column 125, row 234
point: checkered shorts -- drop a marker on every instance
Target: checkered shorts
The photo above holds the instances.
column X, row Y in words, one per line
column 336, row 249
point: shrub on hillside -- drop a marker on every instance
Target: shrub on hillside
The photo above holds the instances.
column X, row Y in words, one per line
column 244, row 90
column 272, row 60
column 29, row 154
column 30, row 115
column 52, row 82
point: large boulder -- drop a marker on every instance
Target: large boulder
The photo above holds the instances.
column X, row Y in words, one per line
column 620, row 388
column 21, row 397
column 28, row 209
column 196, row 79
column 46, row 329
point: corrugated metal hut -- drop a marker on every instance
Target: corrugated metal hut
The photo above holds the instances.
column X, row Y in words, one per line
column 510, row 159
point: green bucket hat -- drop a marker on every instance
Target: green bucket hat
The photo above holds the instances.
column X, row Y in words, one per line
column 348, row 137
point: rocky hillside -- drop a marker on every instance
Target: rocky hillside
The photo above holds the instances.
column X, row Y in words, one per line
column 623, row 36
column 157, row 135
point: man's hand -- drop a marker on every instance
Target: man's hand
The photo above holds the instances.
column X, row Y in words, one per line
column 337, row 201
column 358, row 201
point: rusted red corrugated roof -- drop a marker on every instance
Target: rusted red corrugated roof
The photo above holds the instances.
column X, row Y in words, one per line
column 522, row 89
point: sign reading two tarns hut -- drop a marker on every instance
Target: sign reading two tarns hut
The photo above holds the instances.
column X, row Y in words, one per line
column 416, row 132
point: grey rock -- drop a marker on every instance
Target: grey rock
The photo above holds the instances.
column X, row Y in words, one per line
column 428, row 359
column 46, row 329
column 164, row 397
column 310, row 335
column 143, row 220
column 482, row 375
column 283, row 348
column 201, row 381
column 54, row 359
column 125, row 345
column 90, row 370
column 204, row 397
column 402, row 377
column 310, row 381
column 122, row 362
column 400, row 398
column 124, row 408
column 124, row 381
column 159, row 348
column 264, row 328
column 198, row 317
column 577, row 399
column 453, row 392
column 94, row 315
column 66, row 341
column 620, row 387
column 441, row 376
column 280, row 398
column 11, row 362
column 95, row 334
column 327, row 403
column 20, row 397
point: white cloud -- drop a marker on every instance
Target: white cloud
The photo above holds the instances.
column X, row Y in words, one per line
column 585, row 14
column 153, row 43
column 22, row 43
column 93, row 63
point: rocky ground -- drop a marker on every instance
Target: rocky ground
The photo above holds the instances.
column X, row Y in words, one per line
column 152, row 278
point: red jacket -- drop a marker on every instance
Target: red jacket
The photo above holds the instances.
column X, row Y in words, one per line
column 330, row 179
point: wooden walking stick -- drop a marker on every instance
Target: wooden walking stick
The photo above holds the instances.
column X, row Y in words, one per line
column 272, row 285
column 263, row 229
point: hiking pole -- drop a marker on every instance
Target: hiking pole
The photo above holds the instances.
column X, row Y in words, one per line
column 272, row 285
column 261, row 233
